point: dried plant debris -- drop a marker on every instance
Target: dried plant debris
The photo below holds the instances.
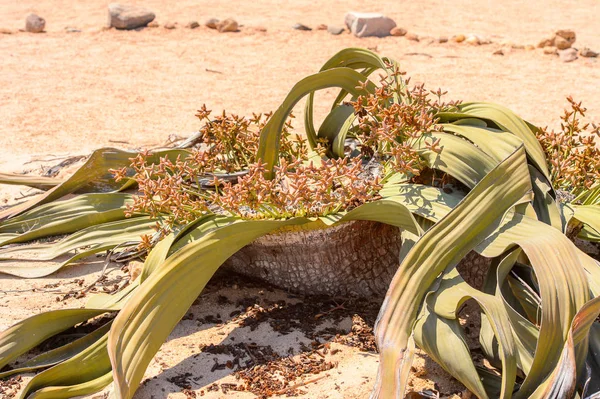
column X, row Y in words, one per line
column 10, row 387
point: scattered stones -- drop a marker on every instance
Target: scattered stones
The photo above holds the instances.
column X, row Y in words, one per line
column 300, row 26
column 550, row 50
column 562, row 39
column 192, row 25
column 369, row 24
column 567, row 55
column 586, row 52
column 34, row 23
column 412, row 36
column 128, row 17
column 169, row 25
column 459, row 38
column 397, row 31
column 322, row 27
column 228, row 25
column 442, row 39
column 153, row 24
column 212, row 23
column 335, row 30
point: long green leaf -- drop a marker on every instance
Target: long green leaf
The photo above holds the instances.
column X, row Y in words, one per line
column 443, row 245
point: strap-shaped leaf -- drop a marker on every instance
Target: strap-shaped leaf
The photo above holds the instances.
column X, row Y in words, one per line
column 270, row 137
column 34, row 330
column 93, row 176
column 443, row 245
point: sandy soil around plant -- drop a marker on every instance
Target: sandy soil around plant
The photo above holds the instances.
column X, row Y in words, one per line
column 66, row 94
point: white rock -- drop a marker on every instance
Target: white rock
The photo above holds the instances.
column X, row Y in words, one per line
column 567, row 55
column 369, row 24
column 128, row 17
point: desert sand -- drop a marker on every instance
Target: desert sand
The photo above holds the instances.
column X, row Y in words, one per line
column 65, row 94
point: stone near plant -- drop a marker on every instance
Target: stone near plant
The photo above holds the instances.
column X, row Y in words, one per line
column 459, row 38
column 300, row 26
column 228, row 25
column 192, row 25
column 211, row 23
column 369, row 24
column 34, row 23
column 586, row 52
column 170, row 25
column 567, row 55
column 128, row 17
column 397, row 31
column 550, row 50
column 335, row 30
column 412, row 36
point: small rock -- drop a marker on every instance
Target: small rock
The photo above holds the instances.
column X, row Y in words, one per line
column 34, row 23
column 397, row 31
column 153, row 24
column 300, row 26
column 128, row 17
column 369, row 24
column 459, row 38
column 561, row 43
column 586, row 52
column 260, row 29
column 322, row 27
column 192, row 25
column 69, row 29
column 498, row 52
column 228, row 25
column 473, row 39
column 550, row 50
column 530, row 47
column 212, row 23
column 546, row 43
column 412, row 36
column 6, row 31
column 335, row 30
column 169, row 25
column 566, row 34
column 442, row 39
column 518, row 46
column 567, row 55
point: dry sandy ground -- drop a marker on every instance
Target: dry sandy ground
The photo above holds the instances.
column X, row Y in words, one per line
column 69, row 93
